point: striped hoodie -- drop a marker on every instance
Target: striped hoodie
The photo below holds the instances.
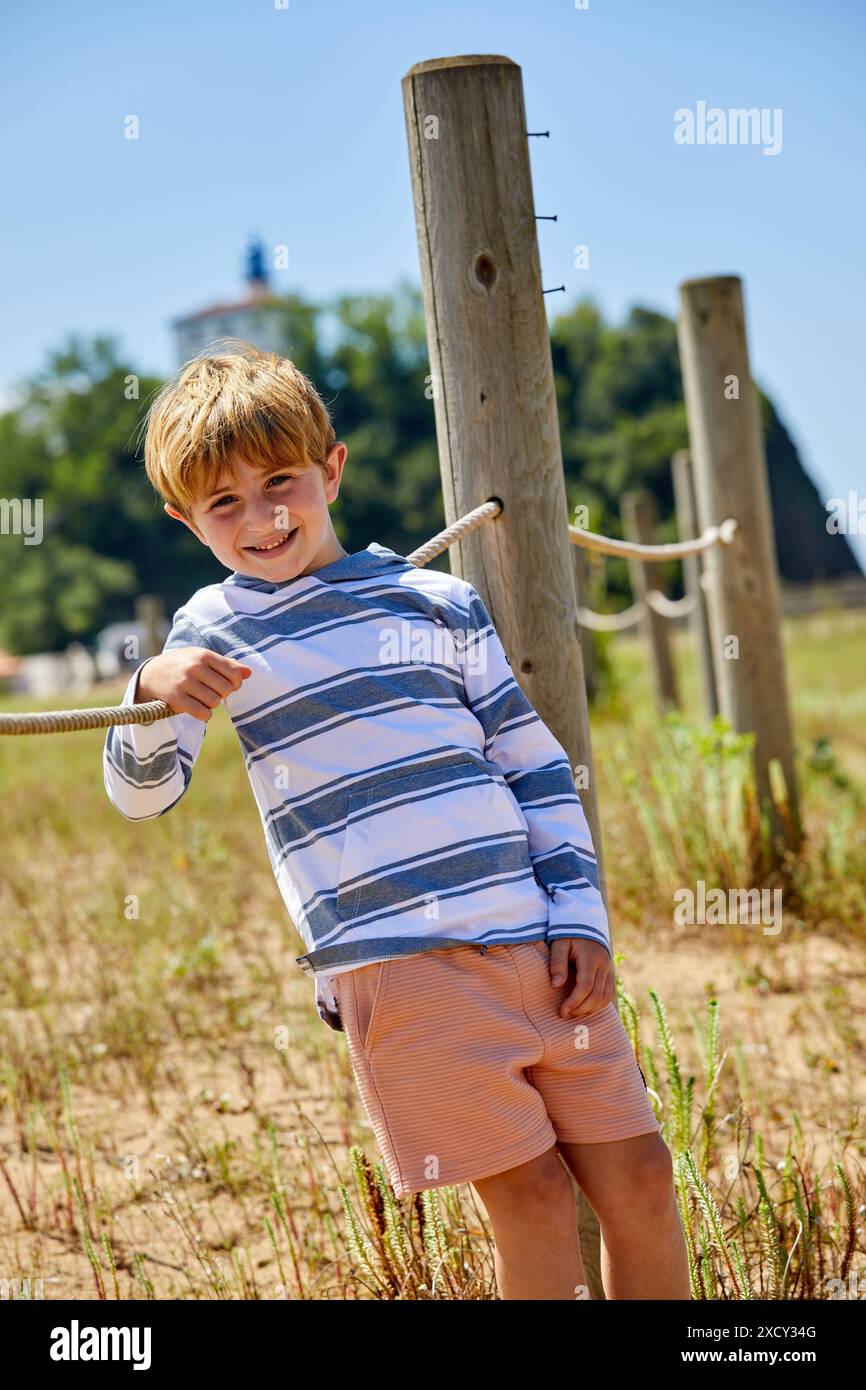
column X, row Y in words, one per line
column 410, row 795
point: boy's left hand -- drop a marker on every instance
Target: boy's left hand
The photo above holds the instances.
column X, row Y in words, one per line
column 594, row 986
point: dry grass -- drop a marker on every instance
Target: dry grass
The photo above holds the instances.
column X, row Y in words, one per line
column 176, row 1122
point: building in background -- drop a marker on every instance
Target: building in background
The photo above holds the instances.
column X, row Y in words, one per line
column 251, row 317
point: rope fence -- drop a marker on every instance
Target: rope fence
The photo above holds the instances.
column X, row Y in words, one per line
column 66, row 721
column 630, row 617
column 461, row 527
column 671, row 607
column 675, row 550
column 612, row 622
column 70, row 721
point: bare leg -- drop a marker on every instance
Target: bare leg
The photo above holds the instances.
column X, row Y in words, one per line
column 534, row 1218
column 629, row 1185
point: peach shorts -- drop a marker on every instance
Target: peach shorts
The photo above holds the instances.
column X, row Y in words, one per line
column 465, row 1068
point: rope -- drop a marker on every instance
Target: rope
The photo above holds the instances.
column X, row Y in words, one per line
column 629, row 617
column 714, row 535
column 671, row 607
column 612, row 622
column 66, row 721
column 470, row 522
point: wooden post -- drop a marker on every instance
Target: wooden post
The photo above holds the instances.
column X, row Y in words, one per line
column 730, row 472
column 589, row 655
column 150, row 612
column 638, row 511
column 493, row 392
column 693, row 572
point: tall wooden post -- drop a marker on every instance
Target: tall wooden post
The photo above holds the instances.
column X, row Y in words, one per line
column 730, row 472
column 693, row 572
column 493, row 394
column 586, row 637
column 638, row 523
column 150, row 613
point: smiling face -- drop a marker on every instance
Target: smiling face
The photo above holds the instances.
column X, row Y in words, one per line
column 271, row 525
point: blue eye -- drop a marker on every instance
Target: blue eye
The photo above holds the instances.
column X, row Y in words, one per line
column 230, row 497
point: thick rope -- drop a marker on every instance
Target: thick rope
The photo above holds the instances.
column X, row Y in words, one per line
column 66, row 721
column 470, row 522
column 629, row 617
column 612, row 622
column 714, row 535
column 671, row 607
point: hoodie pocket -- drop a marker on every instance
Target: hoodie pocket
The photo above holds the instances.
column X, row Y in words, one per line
column 413, row 837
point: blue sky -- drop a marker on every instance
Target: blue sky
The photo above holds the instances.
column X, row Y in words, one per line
column 290, row 123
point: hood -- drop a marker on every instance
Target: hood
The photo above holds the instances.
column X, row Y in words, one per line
column 363, row 564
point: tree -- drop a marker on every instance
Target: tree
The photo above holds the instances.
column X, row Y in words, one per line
column 74, row 442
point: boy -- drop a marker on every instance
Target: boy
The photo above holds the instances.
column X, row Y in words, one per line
column 424, row 830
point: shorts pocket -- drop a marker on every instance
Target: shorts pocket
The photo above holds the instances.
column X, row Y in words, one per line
column 368, row 987
column 413, row 836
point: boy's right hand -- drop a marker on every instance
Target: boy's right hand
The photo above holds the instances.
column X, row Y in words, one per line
column 192, row 680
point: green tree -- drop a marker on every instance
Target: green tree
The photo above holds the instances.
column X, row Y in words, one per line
column 75, row 442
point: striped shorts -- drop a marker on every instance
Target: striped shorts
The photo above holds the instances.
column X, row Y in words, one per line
column 466, row 1069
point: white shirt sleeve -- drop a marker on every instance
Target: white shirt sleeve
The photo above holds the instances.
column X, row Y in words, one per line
column 537, row 770
column 147, row 767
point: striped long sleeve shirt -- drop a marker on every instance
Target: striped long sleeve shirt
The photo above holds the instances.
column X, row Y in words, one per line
column 410, row 795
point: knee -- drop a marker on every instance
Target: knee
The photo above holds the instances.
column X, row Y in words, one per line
column 651, row 1175
column 549, row 1186
column 541, row 1188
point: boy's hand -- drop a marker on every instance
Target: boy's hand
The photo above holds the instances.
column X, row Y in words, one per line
column 594, row 986
column 192, row 680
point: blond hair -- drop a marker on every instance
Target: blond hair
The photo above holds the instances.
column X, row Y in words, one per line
column 236, row 401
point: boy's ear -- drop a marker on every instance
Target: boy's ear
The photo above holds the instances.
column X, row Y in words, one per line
column 179, row 516
column 336, row 462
